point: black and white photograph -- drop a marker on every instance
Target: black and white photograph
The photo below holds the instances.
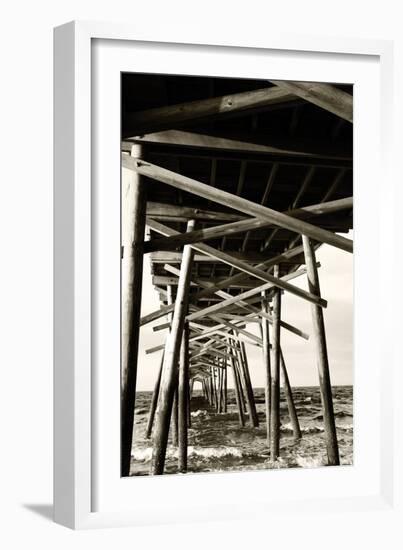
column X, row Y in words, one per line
column 236, row 274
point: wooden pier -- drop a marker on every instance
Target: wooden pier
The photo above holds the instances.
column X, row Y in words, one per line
column 230, row 186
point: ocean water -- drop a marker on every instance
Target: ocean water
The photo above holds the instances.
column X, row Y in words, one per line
column 217, row 442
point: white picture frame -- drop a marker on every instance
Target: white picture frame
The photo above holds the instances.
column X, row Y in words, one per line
column 89, row 492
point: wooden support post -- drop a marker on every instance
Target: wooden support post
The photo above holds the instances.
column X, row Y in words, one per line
column 322, row 357
column 215, row 389
column 225, row 388
column 267, row 366
column 134, row 216
column 170, row 368
column 275, row 381
column 211, row 389
column 154, row 401
column 238, row 397
column 174, row 419
column 183, row 388
column 290, row 399
column 244, row 372
column 189, row 397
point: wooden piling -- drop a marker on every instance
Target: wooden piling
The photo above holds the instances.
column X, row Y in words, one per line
column 246, row 382
column 154, row 401
column 290, row 399
column 170, row 368
column 134, row 216
column 319, row 335
column 267, row 366
column 174, row 419
column 275, row 381
column 238, row 397
column 225, row 388
column 183, row 388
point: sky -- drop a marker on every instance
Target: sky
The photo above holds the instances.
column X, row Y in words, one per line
column 336, row 280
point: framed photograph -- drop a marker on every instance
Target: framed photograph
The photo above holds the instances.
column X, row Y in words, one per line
column 219, row 256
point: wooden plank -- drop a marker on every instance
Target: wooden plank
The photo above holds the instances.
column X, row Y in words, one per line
column 170, row 116
column 234, row 228
column 322, row 358
column 326, row 96
column 133, row 214
column 190, row 185
column 242, row 266
column 239, row 143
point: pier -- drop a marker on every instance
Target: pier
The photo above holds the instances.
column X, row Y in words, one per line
column 230, row 186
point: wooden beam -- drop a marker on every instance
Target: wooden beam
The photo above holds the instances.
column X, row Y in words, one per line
column 250, row 224
column 234, row 299
column 163, row 257
column 171, row 116
column 133, row 227
column 322, row 357
column 238, row 143
column 242, row 266
column 171, row 212
column 326, row 96
column 246, row 305
column 163, row 280
column 190, row 185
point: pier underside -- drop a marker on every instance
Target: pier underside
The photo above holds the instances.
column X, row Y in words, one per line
column 230, row 186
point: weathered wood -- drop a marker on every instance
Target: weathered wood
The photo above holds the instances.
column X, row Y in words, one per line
column 167, row 117
column 174, row 256
column 250, row 398
column 241, row 143
column 172, row 212
column 238, row 397
column 319, row 334
column 290, row 399
column 225, row 388
column 183, row 389
column 220, row 196
column 235, row 299
column 267, row 366
column 243, row 303
column 239, row 277
column 163, row 280
column 234, row 228
column 170, row 368
column 154, row 401
column 326, row 96
column 242, row 266
column 133, row 213
column 275, row 385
